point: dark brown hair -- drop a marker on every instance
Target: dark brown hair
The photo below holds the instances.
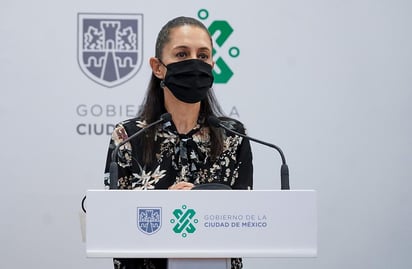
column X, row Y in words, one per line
column 153, row 104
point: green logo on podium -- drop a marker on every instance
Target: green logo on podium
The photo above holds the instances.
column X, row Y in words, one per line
column 184, row 221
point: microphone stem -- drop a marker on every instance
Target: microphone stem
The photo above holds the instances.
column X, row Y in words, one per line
column 282, row 156
column 284, row 169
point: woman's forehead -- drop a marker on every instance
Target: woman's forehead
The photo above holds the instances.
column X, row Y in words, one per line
column 189, row 35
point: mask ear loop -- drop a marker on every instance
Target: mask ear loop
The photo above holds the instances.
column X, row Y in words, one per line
column 160, row 61
column 162, row 83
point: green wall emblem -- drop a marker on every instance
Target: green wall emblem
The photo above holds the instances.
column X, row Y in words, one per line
column 222, row 71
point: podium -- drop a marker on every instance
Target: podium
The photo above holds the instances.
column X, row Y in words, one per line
column 203, row 227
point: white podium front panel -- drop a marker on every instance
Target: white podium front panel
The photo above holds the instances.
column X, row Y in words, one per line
column 201, row 223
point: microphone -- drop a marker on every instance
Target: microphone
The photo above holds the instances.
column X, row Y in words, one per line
column 113, row 169
column 284, row 170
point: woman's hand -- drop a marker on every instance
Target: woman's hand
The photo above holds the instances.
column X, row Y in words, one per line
column 181, row 186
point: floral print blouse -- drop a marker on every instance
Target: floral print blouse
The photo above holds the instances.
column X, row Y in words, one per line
column 179, row 158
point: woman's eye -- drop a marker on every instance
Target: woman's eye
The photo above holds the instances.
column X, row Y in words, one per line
column 203, row 56
column 181, row 54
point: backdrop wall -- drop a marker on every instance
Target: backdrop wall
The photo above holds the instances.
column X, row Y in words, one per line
column 328, row 81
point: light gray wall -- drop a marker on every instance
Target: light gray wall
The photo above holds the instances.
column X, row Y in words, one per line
column 328, row 81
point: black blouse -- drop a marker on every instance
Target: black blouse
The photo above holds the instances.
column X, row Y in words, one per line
column 179, row 158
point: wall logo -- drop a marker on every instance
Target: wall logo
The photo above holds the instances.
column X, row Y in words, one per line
column 220, row 30
column 184, row 221
column 149, row 219
column 110, row 46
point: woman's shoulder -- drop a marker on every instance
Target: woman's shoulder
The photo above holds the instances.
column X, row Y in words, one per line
column 233, row 124
column 131, row 125
column 133, row 122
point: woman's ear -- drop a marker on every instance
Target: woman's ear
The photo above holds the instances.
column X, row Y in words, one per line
column 157, row 67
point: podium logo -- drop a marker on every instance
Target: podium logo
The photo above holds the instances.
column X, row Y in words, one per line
column 220, row 30
column 184, row 221
column 149, row 219
column 110, row 46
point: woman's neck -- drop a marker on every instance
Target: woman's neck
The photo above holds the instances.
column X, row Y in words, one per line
column 185, row 119
column 184, row 115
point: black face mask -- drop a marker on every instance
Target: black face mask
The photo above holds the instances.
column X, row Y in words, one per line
column 189, row 80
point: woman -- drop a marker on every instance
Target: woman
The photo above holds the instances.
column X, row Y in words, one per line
column 186, row 151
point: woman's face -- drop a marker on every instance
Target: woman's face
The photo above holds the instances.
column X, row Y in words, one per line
column 187, row 42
